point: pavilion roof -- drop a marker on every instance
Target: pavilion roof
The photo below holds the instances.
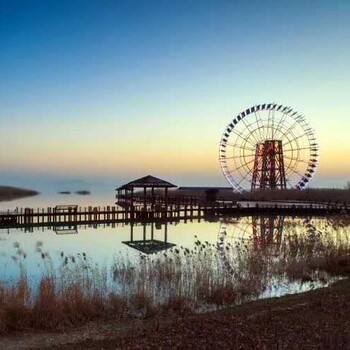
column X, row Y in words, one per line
column 147, row 181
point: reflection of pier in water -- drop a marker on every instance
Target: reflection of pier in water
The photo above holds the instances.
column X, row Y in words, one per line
column 176, row 210
column 76, row 216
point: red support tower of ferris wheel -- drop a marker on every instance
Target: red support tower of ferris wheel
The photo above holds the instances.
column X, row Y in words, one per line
column 268, row 169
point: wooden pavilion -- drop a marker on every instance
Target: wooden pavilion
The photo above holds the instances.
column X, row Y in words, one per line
column 126, row 193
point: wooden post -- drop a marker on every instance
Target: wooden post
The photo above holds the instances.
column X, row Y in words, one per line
column 166, row 198
column 165, row 232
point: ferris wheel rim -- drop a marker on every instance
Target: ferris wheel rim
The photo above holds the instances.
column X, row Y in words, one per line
column 287, row 112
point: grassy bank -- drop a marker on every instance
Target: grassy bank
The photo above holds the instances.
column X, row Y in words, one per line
column 9, row 193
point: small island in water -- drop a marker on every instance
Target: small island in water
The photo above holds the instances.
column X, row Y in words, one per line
column 8, row 193
column 83, row 192
column 64, row 192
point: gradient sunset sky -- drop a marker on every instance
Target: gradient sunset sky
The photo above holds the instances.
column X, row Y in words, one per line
column 114, row 90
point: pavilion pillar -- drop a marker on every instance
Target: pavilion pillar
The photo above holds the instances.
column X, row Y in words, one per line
column 144, row 198
column 166, row 197
column 153, row 196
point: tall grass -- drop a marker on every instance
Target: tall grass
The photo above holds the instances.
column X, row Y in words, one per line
column 177, row 280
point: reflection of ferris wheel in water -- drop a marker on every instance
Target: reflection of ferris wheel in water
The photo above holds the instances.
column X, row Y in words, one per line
column 268, row 146
column 260, row 233
column 258, row 230
column 263, row 234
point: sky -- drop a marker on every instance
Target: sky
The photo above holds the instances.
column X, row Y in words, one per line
column 108, row 91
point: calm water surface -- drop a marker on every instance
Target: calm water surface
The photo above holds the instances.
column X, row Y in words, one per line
column 100, row 243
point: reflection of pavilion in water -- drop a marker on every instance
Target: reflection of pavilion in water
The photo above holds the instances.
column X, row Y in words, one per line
column 66, row 230
column 149, row 245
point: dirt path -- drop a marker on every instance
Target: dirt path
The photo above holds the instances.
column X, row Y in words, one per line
column 314, row 320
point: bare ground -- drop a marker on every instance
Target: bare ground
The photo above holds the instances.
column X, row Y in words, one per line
column 314, row 320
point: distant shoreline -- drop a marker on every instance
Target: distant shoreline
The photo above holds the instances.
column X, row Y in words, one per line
column 319, row 195
column 8, row 193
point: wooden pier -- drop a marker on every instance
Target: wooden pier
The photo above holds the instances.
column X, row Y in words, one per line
column 72, row 215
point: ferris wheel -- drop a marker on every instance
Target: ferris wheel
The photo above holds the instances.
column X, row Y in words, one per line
column 268, row 146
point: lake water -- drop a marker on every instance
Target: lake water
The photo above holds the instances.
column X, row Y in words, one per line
column 42, row 249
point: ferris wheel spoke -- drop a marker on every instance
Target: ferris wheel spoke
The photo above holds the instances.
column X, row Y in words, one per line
column 263, row 127
column 235, row 157
column 285, row 129
column 272, row 124
column 241, row 147
column 296, row 172
column 290, row 129
column 242, row 165
column 268, row 126
column 256, row 132
column 248, row 162
column 249, row 130
column 258, row 124
column 247, row 174
column 244, row 178
column 295, row 146
column 296, row 149
column 296, row 138
column 296, row 159
column 280, row 123
column 240, row 136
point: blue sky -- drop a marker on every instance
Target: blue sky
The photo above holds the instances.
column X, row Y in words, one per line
column 112, row 90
